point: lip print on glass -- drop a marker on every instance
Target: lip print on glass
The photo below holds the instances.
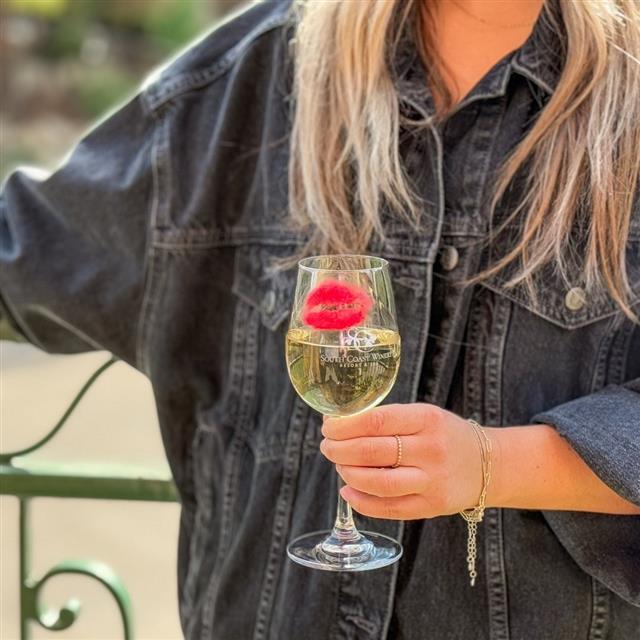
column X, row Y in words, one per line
column 336, row 305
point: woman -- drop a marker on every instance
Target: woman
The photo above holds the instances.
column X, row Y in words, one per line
column 488, row 150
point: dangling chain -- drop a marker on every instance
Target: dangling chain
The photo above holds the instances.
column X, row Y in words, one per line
column 474, row 516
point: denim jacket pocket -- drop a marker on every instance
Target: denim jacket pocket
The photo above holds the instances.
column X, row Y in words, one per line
column 270, row 293
column 562, row 344
column 565, row 305
column 264, row 302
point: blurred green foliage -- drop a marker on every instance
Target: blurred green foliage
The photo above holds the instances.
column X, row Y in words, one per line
column 95, row 93
column 68, row 62
column 166, row 23
column 175, row 24
column 43, row 8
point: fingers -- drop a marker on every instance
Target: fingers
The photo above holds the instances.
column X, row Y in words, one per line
column 384, row 482
column 374, row 452
column 408, row 507
column 385, row 420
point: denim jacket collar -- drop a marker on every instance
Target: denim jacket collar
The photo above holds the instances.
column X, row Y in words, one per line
column 539, row 59
column 542, row 55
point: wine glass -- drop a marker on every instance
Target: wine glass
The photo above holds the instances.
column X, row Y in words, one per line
column 343, row 354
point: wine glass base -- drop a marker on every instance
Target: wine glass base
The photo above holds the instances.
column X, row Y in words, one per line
column 371, row 551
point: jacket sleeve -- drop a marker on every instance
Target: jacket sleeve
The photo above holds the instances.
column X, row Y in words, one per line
column 604, row 429
column 73, row 244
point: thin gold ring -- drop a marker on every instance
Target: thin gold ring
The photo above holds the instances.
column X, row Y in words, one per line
column 399, row 458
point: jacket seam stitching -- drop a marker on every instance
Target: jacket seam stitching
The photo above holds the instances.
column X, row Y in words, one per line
column 168, row 89
column 151, row 258
column 603, row 357
column 497, row 591
column 599, row 611
column 620, row 352
column 494, row 359
column 531, row 76
column 282, row 520
column 580, row 320
column 242, row 372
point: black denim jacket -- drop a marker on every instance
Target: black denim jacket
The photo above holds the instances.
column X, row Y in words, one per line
column 152, row 241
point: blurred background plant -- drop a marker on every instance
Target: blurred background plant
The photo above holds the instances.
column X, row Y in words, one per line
column 64, row 63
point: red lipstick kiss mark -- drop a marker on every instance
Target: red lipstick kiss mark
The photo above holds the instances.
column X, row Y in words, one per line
column 336, row 305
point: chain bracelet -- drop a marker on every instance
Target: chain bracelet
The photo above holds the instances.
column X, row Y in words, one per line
column 472, row 550
column 475, row 515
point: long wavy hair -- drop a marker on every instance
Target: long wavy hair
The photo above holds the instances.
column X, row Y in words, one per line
column 582, row 153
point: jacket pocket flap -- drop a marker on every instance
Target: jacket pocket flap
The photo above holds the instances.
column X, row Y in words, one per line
column 271, row 292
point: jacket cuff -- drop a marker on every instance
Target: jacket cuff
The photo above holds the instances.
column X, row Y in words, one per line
column 604, row 429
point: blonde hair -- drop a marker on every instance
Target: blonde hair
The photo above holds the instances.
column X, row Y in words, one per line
column 581, row 153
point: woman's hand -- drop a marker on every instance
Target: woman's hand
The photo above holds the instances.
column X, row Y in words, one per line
column 440, row 472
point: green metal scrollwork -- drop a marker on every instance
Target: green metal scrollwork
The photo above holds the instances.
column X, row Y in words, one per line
column 5, row 458
column 59, row 620
column 28, row 479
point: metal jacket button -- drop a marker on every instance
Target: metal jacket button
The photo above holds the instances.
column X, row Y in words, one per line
column 449, row 258
column 269, row 301
column 575, row 299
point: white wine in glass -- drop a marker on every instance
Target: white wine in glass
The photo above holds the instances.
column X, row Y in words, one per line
column 343, row 354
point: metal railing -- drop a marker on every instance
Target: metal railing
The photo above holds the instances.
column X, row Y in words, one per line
column 27, row 479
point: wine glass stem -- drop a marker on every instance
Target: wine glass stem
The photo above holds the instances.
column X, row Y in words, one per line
column 344, row 527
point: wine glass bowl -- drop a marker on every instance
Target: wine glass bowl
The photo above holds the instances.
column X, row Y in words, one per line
column 343, row 355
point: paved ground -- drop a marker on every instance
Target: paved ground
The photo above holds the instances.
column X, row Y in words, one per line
column 116, row 422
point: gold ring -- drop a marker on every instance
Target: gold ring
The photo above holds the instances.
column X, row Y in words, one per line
column 399, row 458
